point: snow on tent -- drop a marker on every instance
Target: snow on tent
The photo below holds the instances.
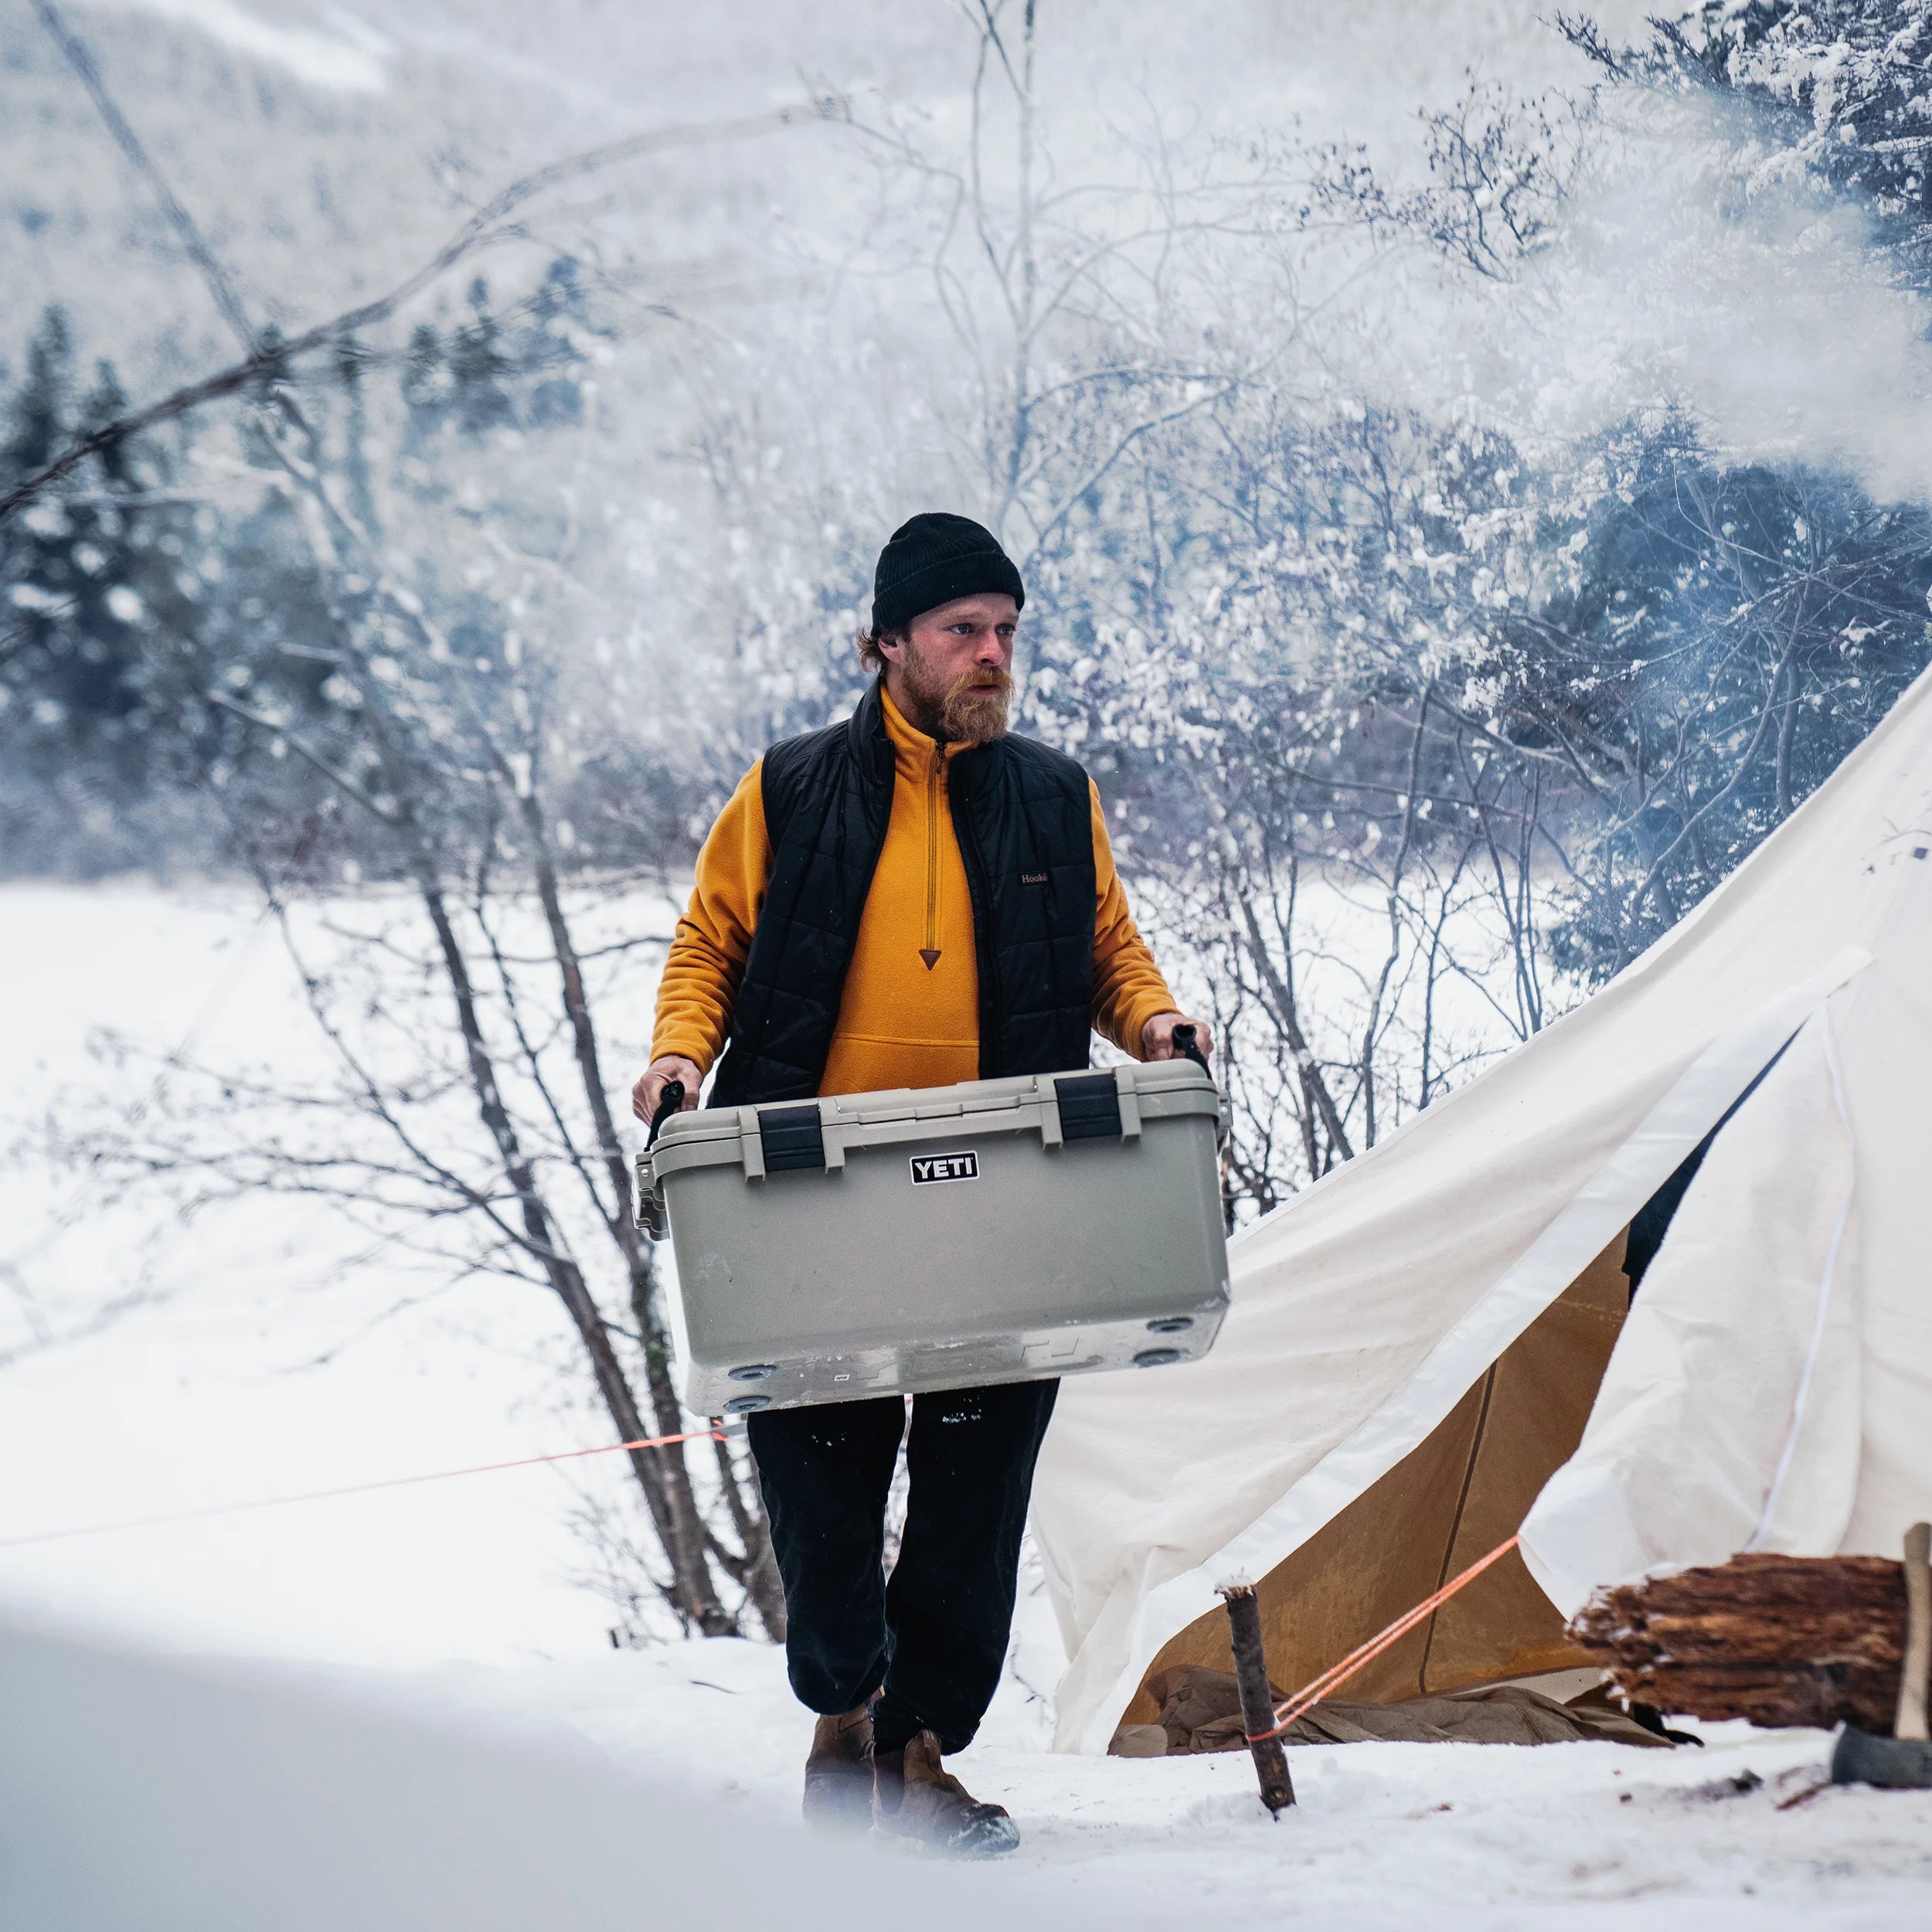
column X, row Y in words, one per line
column 1417, row 1343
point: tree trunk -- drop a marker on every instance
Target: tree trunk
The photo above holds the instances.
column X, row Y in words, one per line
column 759, row 1566
column 674, row 1471
column 762, row 1584
column 1281, row 1007
column 663, row 1475
column 674, row 1516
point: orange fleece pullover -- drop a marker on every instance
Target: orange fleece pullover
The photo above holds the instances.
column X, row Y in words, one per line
column 910, row 1016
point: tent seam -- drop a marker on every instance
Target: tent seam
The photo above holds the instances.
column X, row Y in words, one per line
column 1455, row 1524
column 1801, row 1397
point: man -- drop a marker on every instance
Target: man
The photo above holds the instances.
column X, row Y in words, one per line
column 908, row 898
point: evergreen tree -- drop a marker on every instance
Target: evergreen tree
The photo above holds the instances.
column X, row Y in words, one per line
column 1842, row 88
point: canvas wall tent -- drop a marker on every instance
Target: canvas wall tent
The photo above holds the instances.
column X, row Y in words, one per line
column 1416, row 1343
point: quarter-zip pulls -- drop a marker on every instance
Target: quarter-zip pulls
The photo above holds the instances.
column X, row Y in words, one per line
column 930, row 951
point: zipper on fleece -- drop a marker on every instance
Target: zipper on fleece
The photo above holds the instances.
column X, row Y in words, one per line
column 930, row 951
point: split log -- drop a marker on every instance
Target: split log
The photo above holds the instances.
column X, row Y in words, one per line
column 1780, row 1641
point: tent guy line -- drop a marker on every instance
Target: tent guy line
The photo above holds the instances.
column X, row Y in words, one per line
column 714, row 1433
column 1317, row 1688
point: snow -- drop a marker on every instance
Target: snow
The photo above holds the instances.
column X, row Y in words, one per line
column 346, row 55
column 671, row 1774
column 1469, row 1834
column 454, row 1610
column 245, row 1371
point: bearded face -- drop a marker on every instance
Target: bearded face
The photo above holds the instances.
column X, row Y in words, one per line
column 969, row 709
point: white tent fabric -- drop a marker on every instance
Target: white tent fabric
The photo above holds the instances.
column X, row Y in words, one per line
column 1772, row 1388
column 1783, row 1326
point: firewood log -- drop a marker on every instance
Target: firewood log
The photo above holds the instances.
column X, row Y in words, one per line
column 1782, row 1641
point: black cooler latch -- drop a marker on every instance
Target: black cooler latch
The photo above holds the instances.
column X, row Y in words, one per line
column 1089, row 1108
column 791, row 1138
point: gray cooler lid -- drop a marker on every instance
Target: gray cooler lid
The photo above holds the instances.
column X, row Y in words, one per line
column 1159, row 1089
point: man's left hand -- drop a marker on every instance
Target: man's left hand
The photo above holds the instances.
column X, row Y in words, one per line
column 1157, row 1036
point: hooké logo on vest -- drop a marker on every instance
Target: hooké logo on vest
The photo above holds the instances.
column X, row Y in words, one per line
column 927, row 1168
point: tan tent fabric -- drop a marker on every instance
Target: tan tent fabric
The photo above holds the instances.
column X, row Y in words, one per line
column 1447, row 1502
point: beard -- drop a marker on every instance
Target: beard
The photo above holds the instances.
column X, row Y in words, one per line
column 971, row 710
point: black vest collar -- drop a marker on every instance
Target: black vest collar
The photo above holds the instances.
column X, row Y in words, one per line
column 871, row 746
column 866, row 737
column 1021, row 814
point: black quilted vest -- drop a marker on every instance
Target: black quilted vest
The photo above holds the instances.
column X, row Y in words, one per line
column 1024, row 822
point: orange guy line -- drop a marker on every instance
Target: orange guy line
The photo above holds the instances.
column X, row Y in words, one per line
column 351, row 1489
column 1311, row 1693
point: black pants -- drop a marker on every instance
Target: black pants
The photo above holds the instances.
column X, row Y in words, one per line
column 936, row 1634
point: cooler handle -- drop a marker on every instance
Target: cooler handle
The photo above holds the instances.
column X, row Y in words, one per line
column 1184, row 1045
column 1184, row 1038
column 668, row 1102
column 651, row 1216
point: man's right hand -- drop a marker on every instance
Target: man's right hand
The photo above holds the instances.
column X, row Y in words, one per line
column 659, row 1075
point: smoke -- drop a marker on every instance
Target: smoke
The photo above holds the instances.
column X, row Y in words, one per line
column 1677, row 279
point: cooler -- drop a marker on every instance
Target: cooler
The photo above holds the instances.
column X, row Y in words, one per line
column 942, row 1237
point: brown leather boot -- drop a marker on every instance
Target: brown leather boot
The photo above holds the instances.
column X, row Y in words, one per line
column 839, row 1774
column 915, row 1798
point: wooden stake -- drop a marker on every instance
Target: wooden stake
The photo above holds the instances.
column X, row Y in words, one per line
column 1909, row 1722
column 1257, row 1700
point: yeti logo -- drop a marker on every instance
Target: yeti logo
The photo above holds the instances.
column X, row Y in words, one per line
column 944, row 1167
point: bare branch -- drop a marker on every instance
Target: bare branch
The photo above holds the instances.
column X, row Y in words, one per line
column 268, row 364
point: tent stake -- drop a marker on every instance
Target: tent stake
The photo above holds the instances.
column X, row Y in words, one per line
column 1257, row 1701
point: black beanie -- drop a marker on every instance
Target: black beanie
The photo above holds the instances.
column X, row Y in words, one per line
column 934, row 558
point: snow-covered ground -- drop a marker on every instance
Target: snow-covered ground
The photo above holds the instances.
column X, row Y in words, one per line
column 1463, row 1835
column 247, row 1372
column 658, row 1787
